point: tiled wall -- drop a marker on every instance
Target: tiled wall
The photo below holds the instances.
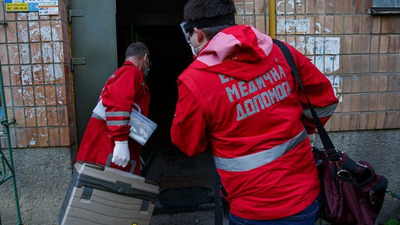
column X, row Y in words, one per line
column 34, row 53
column 358, row 52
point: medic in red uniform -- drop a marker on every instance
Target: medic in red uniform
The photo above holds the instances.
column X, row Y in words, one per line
column 239, row 97
column 125, row 87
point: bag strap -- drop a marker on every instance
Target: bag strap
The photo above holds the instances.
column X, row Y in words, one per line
column 330, row 151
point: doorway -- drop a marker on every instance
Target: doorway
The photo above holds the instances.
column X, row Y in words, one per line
column 186, row 184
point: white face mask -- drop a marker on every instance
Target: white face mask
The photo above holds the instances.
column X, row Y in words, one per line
column 197, row 49
column 193, row 50
column 146, row 71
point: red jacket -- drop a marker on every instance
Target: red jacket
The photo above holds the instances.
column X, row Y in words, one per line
column 240, row 96
column 125, row 87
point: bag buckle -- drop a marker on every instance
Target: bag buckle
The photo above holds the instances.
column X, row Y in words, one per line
column 344, row 175
column 333, row 155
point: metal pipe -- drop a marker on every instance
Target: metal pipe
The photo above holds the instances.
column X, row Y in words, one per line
column 7, row 124
column 271, row 18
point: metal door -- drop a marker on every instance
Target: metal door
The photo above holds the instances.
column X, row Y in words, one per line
column 94, row 53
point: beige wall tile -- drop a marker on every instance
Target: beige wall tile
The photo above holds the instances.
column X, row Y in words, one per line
column 338, row 28
column 45, row 31
column 395, row 25
column 52, row 116
column 5, row 71
column 391, row 101
column 37, row 74
column 345, row 122
column 22, row 136
column 376, row 25
column 2, row 34
column 373, row 102
column 54, row 136
column 13, row 54
column 394, row 44
column 17, row 96
column 43, row 137
column 64, row 136
column 28, row 96
column 22, row 28
column 356, row 48
column 19, row 115
column 355, row 103
column 3, row 54
column 310, row 6
column 48, row 73
column 364, row 102
column 366, row 24
column 15, row 74
column 30, row 116
column 24, row 54
column 383, row 83
column 50, row 95
column 363, row 121
column 61, row 95
column 365, row 43
column 32, row 136
column 380, row 120
column 36, row 53
column 11, row 32
column 389, row 122
column 374, row 63
column 34, row 31
column 10, row 16
column 355, row 84
column 22, row 16
column 40, row 96
column 346, row 104
column 385, row 25
column 357, row 23
column 47, row 52
column 364, row 83
column 41, row 116
column 26, row 75
column 382, row 102
column 371, row 121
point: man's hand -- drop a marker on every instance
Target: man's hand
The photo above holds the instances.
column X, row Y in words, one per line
column 121, row 154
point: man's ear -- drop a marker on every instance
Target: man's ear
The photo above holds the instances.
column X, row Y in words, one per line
column 200, row 34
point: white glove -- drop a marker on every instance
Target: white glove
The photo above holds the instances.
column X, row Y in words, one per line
column 121, row 155
column 312, row 138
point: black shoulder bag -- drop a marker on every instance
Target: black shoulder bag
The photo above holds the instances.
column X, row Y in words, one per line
column 353, row 193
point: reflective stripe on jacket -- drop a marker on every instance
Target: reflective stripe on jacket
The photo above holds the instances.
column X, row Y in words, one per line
column 125, row 87
column 240, row 98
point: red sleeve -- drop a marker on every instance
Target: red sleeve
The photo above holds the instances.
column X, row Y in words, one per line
column 188, row 131
column 319, row 91
column 118, row 97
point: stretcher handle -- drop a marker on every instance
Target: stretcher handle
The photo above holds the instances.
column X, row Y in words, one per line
column 133, row 162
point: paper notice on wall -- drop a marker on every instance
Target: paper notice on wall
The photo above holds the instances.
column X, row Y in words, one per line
column 17, row 7
column 337, row 84
column 48, row 8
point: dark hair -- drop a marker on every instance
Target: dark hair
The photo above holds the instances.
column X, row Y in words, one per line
column 200, row 9
column 206, row 10
column 138, row 49
column 210, row 32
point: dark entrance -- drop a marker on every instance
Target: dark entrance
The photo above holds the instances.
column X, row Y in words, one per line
column 187, row 184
